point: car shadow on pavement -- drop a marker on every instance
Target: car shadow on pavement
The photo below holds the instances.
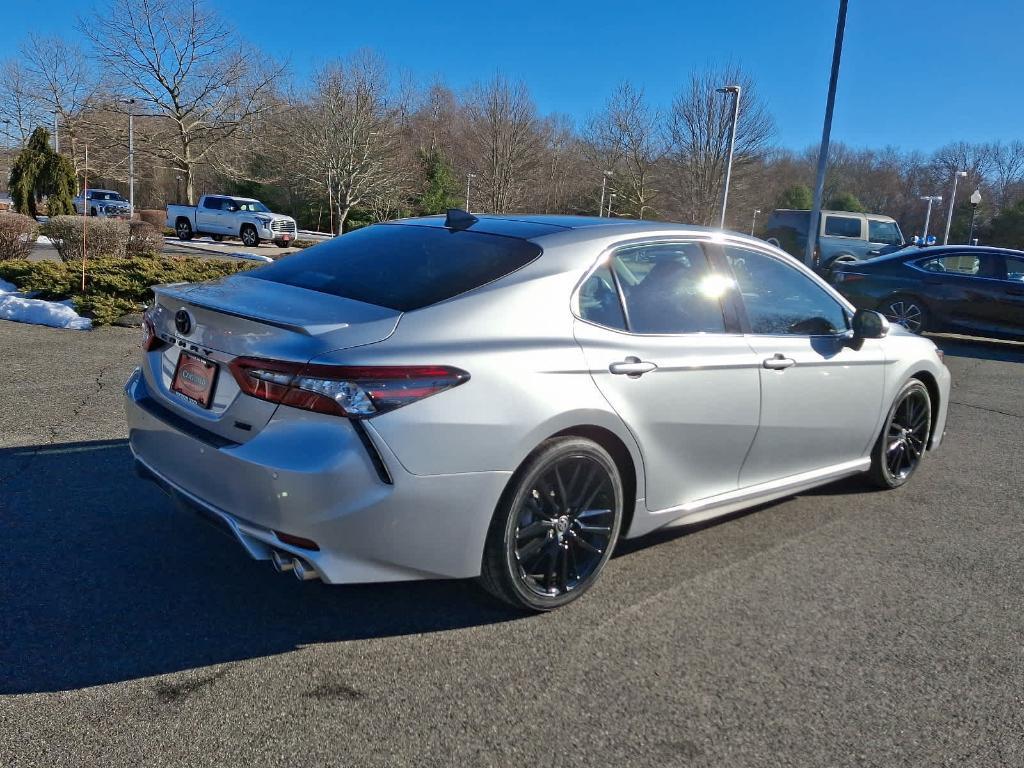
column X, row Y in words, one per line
column 106, row 581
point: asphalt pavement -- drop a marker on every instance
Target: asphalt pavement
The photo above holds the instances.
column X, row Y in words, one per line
column 842, row 627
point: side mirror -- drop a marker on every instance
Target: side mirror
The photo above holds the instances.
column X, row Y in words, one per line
column 868, row 324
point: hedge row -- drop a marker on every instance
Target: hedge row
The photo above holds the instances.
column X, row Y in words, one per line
column 114, row 286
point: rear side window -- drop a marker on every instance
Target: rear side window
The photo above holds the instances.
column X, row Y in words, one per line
column 599, row 301
column 212, row 203
column 401, row 266
column 842, row 226
column 670, row 288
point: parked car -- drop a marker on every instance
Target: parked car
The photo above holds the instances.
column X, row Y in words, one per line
column 843, row 237
column 505, row 397
column 104, row 202
column 220, row 216
column 967, row 289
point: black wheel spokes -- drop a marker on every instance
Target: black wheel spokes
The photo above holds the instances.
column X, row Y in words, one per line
column 565, row 526
column 907, row 435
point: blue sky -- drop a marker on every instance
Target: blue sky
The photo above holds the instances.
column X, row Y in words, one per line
column 915, row 74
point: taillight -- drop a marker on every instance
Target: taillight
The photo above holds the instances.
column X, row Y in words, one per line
column 150, row 340
column 354, row 391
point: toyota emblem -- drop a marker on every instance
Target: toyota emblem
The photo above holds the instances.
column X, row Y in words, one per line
column 182, row 322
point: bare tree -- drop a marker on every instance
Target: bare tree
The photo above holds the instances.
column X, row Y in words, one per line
column 181, row 61
column 346, row 137
column 19, row 109
column 503, row 140
column 625, row 139
column 698, row 136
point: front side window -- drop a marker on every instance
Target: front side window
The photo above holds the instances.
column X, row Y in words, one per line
column 885, row 232
column 670, row 288
column 782, row 301
column 842, row 226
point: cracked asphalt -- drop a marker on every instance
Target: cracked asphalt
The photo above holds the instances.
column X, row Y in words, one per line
column 841, row 627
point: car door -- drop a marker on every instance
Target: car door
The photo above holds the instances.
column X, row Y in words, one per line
column 821, row 400
column 965, row 289
column 672, row 365
column 1013, row 295
column 208, row 216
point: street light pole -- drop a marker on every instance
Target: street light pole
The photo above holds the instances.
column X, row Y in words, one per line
column 611, row 199
column 975, row 201
column 952, row 202
column 469, row 179
column 826, row 134
column 754, row 222
column 604, row 188
column 131, row 155
column 735, row 91
column 927, row 217
column 56, row 132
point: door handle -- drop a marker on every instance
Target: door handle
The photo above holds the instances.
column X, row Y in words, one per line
column 633, row 367
column 779, row 361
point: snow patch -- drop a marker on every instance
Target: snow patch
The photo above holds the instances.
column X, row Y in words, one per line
column 55, row 314
column 251, row 256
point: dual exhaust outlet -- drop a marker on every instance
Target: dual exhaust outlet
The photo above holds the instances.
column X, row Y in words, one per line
column 283, row 563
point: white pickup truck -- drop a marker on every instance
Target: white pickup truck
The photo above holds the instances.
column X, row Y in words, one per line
column 221, row 216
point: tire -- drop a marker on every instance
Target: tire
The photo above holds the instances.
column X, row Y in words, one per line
column 250, row 237
column 183, row 228
column 217, row 238
column 908, row 311
column 92, row 212
column 282, row 244
column 542, row 550
column 902, row 443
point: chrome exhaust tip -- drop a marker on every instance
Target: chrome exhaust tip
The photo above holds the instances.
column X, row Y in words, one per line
column 302, row 571
column 281, row 563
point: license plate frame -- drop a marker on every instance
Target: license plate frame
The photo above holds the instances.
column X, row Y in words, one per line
column 195, row 378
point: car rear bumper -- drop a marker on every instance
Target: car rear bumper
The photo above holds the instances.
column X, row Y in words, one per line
column 315, row 477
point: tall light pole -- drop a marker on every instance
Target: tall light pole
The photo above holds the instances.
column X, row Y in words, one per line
column 611, row 199
column 932, row 199
column 753, row 223
column 952, row 202
column 735, row 91
column 975, row 202
column 131, row 155
column 469, row 179
column 826, row 134
column 604, row 188
column 56, row 132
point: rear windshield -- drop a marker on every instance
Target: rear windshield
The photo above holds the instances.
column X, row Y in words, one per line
column 402, row 267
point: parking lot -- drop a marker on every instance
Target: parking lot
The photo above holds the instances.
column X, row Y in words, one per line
column 839, row 627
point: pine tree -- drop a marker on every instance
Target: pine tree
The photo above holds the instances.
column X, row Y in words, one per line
column 440, row 190
column 39, row 173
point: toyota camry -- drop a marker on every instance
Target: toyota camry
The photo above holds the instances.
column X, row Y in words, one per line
column 505, row 397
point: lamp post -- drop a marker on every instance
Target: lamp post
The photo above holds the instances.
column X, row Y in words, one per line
column 975, row 201
column 604, row 188
column 469, row 180
column 826, row 134
column 932, row 199
column 753, row 223
column 131, row 156
column 735, row 91
column 56, row 132
column 611, row 199
column 952, row 202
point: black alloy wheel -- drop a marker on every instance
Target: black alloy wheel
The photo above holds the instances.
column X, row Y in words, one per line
column 183, row 229
column 555, row 527
column 250, row 238
column 908, row 312
column 904, row 438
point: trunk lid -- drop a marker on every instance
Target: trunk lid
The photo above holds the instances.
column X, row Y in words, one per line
column 240, row 316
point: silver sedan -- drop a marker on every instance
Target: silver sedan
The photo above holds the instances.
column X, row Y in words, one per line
column 505, row 397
